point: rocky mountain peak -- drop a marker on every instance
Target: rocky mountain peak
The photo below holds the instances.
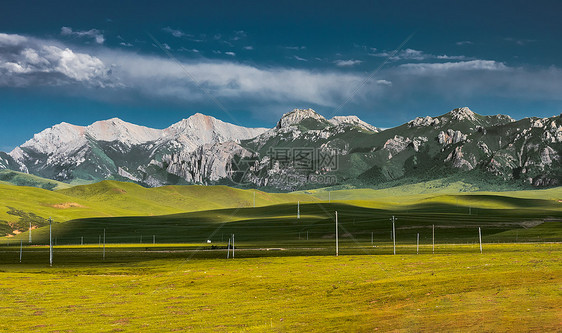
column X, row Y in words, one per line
column 296, row 116
column 463, row 113
column 353, row 120
column 115, row 129
column 60, row 136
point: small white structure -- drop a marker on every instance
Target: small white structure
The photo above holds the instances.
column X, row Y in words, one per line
column 208, row 241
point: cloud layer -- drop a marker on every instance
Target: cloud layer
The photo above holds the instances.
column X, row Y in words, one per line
column 28, row 62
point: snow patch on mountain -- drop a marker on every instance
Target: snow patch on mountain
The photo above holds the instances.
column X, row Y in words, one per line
column 116, row 129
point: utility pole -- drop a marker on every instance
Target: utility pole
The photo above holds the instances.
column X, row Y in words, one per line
column 372, row 238
column 394, row 234
column 329, row 197
column 30, row 232
column 480, row 239
column 298, row 209
column 254, row 198
column 82, row 240
column 433, row 246
column 337, row 240
column 418, row 244
column 21, row 248
column 228, row 250
column 103, row 243
column 50, row 242
column 153, row 239
column 232, row 246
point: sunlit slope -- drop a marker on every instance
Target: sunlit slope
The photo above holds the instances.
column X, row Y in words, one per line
column 20, row 205
column 458, row 193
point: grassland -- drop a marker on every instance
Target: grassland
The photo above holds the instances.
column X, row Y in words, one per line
column 285, row 276
column 508, row 288
column 456, row 219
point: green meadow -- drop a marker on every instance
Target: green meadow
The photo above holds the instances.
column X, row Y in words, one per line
column 162, row 265
column 510, row 287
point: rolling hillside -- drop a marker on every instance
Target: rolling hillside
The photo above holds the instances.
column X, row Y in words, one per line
column 21, row 205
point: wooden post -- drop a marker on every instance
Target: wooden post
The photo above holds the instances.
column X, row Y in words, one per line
column 21, row 248
column 418, row 244
column 232, row 246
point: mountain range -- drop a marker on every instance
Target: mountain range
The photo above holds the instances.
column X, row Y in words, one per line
column 304, row 150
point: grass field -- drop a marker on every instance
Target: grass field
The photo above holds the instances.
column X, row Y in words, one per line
column 285, row 276
column 510, row 287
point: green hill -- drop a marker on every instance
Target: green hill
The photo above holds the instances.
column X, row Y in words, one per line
column 278, row 225
column 9, row 177
column 21, row 205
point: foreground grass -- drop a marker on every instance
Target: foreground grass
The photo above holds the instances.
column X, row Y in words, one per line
column 511, row 287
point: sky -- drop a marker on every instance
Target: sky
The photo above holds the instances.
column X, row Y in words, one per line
column 248, row 62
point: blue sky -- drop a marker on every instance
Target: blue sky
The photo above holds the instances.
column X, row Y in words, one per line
column 248, row 62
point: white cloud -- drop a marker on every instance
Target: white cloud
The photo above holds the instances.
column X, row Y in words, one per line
column 230, row 53
column 156, row 77
column 432, row 68
column 249, row 47
column 299, row 58
column 28, row 61
column 464, row 42
column 92, row 33
column 166, row 46
column 384, row 82
column 126, row 44
column 11, row 39
column 411, row 54
column 175, row 32
column 347, row 63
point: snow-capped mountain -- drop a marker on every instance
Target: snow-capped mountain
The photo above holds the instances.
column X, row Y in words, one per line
column 304, row 150
column 115, row 148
